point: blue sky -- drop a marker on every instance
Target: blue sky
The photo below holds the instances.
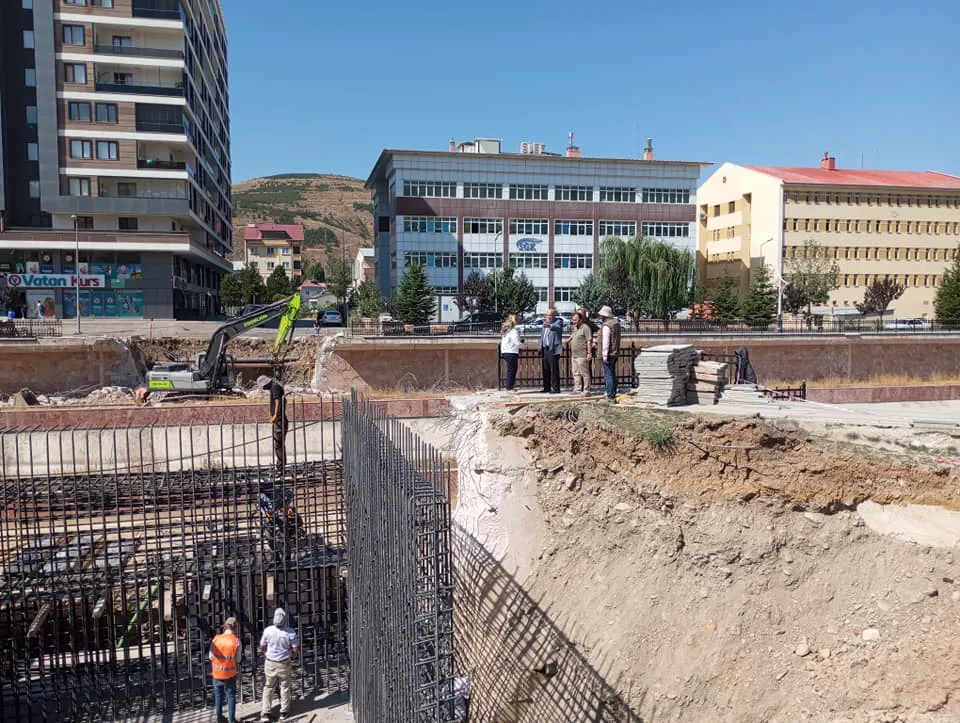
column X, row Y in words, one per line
column 323, row 85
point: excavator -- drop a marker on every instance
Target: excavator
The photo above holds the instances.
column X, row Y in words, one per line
column 214, row 370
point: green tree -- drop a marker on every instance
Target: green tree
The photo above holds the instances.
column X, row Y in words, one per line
column 339, row 279
column 947, row 301
column 252, row 288
column 810, row 276
column 726, row 301
column 231, row 290
column 645, row 277
column 368, row 299
column 617, row 260
column 313, row 271
column 759, row 307
column 591, row 294
column 415, row 302
column 476, row 295
column 879, row 295
column 514, row 293
column 278, row 284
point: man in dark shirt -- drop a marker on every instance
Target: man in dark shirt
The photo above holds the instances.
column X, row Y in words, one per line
column 278, row 418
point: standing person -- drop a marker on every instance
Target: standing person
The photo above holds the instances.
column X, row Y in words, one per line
column 593, row 339
column 39, row 309
column 579, row 346
column 224, row 664
column 510, row 343
column 278, row 418
column 609, row 350
column 279, row 644
column 550, row 349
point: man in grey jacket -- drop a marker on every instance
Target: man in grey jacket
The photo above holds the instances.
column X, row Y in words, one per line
column 550, row 349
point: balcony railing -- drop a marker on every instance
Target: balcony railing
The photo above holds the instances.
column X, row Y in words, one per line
column 138, row 51
column 160, row 127
column 163, row 165
column 143, row 87
column 146, row 194
column 160, row 9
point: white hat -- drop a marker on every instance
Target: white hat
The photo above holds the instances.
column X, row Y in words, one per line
column 605, row 312
column 264, row 382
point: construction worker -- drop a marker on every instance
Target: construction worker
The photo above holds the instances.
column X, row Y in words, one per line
column 224, row 663
column 278, row 418
column 279, row 644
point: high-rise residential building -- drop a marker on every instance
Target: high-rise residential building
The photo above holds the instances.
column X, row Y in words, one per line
column 115, row 136
column 474, row 207
column 271, row 245
column 901, row 225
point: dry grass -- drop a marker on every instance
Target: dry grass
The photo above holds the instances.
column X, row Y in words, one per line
column 379, row 394
column 883, row 380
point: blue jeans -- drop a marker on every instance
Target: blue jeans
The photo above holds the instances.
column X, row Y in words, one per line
column 610, row 377
column 511, row 361
column 230, row 688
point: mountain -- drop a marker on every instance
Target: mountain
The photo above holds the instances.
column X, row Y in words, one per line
column 331, row 208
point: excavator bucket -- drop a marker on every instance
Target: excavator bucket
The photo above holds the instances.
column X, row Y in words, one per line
column 287, row 322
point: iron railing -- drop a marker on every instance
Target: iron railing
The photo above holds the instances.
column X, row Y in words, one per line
column 401, row 576
column 530, row 369
column 30, row 328
column 122, row 551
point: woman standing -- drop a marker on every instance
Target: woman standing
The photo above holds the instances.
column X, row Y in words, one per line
column 510, row 343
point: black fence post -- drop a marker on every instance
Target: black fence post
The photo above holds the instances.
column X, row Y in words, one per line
column 500, row 369
column 803, row 390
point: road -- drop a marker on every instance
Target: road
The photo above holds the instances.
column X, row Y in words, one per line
column 94, row 328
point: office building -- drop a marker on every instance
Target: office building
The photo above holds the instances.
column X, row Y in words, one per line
column 269, row 245
column 115, row 136
column 903, row 225
column 474, row 207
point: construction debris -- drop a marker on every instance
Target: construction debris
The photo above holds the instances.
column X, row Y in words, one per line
column 706, row 382
column 662, row 374
column 744, row 394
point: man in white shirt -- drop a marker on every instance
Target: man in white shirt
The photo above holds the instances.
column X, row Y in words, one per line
column 279, row 644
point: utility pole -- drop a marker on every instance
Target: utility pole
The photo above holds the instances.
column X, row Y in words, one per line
column 76, row 265
column 343, row 266
column 496, row 295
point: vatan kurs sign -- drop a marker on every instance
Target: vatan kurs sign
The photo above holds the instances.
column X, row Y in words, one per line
column 55, row 281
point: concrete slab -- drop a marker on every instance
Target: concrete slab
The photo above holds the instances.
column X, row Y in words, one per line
column 920, row 524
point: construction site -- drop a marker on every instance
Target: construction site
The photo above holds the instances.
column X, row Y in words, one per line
column 757, row 557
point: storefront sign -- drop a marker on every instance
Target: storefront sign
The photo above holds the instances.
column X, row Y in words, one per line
column 54, row 281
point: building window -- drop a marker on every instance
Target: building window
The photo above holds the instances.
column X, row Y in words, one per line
column 573, row 228
column 529, row 226
column 573, row 261
column 33, row 152
column 27, row 4
column 128, row 223
column 286, row 251
column 430, row 189
column 617, row 194
column 623, row 229
column 483, row 225
column 78, row 186
column 665, row 229
column 31, row 115
column 125, row 189
column 541, row 294
column 431, row 259
column 29, row 42
column 573, row 193
column 482, row 190
column 270, row 265
column 286, row 264
column 30, row 77
column 34, row 187
column 84, row 222
column 429, row 224
column 122, row 41
column 445, row 290
column 564, row 293
column 670, row 195
column 731, row 206
column 529, row 261
column 528, row 192
column 81, row 3
column 81, row 149
column 74, row 72
column 482, row 261
column 73, row 35
column 106, row 112
column 78, row 111
column 108, row 150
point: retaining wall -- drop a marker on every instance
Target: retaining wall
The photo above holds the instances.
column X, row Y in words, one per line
column 870, row 394
column 50, row 368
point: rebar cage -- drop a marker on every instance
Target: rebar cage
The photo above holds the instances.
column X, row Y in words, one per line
column 401, row 578
column 122, row 551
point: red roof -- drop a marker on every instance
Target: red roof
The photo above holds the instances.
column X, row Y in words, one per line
column 854, row 177
column 254, row 231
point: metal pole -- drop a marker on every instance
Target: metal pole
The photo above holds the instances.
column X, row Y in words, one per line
column 496, row 283
column 76, row 267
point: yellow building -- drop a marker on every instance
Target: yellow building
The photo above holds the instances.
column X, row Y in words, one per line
column 899, row 224
column 269, row 245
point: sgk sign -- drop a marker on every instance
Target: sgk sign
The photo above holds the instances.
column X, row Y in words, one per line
column 55, row 281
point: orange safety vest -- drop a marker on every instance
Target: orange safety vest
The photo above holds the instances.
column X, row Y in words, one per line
column 224, row 651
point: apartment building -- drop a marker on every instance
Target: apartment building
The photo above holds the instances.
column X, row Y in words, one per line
column 115, row 138
column 475, row 207
column 903, row 225
column 364, row 265
column 269, row 245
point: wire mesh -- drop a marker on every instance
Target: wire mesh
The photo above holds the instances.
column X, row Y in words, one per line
column 122, row 551
column 401, row 579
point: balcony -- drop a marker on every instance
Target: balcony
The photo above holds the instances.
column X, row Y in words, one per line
column 155, row 163
column 137, row 52
column 145, row 87
column 160, row 127
column 157, row 9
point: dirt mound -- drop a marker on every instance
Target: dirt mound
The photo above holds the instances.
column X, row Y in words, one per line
column 692, row 562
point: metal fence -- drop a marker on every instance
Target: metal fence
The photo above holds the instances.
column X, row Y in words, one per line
column 122, row 551
column 401, row 577
column 530, row 369
column 30, row 328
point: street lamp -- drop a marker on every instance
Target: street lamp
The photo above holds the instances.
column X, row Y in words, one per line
column 779, row 272
column 496, row 300
column 76, row 266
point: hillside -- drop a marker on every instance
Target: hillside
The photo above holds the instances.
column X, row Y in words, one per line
column 330, row 208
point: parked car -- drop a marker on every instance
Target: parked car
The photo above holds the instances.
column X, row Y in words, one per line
column 481, row 322
column 331, row 318
column 908, row 325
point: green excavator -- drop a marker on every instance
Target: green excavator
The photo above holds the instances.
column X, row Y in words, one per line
column 214, row 370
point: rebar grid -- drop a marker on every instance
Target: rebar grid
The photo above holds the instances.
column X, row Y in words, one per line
column 122, row 551
column 401, row 579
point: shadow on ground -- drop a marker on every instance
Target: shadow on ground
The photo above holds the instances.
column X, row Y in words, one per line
column 524, row 668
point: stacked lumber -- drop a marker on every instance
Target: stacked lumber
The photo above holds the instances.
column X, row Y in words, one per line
column 706, row 382
column 663, row 372
column 744, row 394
